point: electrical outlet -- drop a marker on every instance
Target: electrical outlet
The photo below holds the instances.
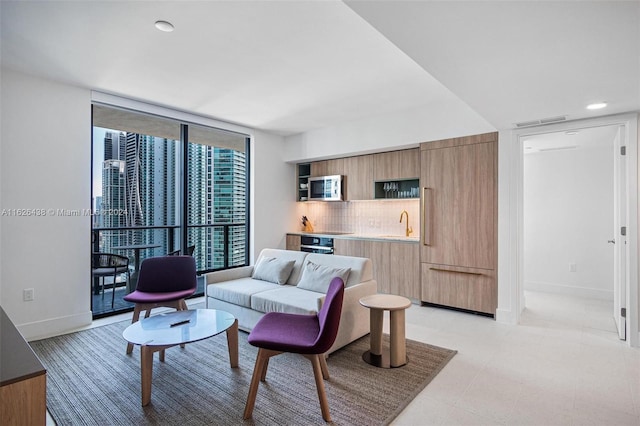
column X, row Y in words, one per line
column 572, row 267
column 27, row 294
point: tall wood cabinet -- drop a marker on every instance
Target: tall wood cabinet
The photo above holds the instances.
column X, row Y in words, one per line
column 458, row 250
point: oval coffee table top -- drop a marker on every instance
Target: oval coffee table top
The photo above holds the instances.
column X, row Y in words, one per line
column 174, row 328
column 389, row 302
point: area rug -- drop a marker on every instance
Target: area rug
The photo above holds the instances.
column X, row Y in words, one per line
column 91, row 381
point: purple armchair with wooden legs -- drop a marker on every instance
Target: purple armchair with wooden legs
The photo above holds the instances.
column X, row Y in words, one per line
column 308, row 335
column 163, row 281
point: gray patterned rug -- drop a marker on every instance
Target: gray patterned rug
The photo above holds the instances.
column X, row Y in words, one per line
column 91, row 381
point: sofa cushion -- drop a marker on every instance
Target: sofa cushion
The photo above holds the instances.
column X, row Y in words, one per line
column 318, row 277
column 297, row 256
column 361, row 267
column 286, row 298
column 239, row 291
column 274, row 270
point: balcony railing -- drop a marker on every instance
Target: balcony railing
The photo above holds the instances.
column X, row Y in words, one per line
column 217, row 246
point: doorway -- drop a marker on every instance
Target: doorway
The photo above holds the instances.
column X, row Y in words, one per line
column 511, row 218
column 569, row 216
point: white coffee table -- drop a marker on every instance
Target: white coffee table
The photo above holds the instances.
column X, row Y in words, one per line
column 163, row 331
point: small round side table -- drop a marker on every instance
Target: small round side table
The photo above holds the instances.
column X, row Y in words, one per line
column 396, row 354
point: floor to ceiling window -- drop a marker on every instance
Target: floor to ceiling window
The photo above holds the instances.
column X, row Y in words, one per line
column 162, row 186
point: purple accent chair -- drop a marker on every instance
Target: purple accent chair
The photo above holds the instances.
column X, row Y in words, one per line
column 163, row 281
column 308, row 335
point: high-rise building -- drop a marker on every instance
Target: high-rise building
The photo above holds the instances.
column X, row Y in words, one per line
column 146, row 188
column 113, row 202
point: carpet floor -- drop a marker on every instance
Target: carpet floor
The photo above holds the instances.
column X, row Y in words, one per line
column 91, row 381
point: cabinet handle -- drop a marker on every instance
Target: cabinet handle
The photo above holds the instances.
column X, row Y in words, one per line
column 456, row 272
column 426, row 212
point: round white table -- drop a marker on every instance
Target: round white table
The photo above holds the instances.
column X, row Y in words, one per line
column 163, row 331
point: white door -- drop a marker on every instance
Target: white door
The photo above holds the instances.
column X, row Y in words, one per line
column 619, row 235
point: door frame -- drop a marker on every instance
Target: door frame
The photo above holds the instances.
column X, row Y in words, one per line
column 511, row 229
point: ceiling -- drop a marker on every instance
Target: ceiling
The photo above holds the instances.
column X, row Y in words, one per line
column 290, row 67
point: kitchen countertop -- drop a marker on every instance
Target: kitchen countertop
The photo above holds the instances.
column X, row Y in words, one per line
column 354, row 236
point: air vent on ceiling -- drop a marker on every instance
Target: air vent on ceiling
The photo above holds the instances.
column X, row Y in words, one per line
column 558, row 148
column 542, row 121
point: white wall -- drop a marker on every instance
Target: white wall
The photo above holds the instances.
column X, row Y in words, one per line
column 568, row 218
column 46, row 163
column 404, row 129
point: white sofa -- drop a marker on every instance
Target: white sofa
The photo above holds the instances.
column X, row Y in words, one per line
column 247, row 298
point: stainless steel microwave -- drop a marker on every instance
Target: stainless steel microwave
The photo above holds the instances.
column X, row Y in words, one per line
column 326, row 188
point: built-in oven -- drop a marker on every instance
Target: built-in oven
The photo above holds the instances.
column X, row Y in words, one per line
column 321, row 245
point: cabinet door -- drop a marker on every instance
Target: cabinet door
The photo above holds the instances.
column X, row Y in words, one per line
column 359, row 177
column 346, row 247
column 459, row 205
column 404, row 270
column 319, row 168
column 293, row 242
column 464, row 288
column 404, row 164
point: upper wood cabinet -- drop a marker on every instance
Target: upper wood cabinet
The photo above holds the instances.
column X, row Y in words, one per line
column 327, row 167
column 404, row 164
column 359, row 175
column 358, row 172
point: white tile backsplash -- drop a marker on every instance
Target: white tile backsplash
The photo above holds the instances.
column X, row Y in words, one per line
column 371, row 218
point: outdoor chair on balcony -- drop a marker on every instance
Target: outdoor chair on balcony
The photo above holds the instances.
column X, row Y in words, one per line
column 189, row 252
column 107, row 264
column 163, row 281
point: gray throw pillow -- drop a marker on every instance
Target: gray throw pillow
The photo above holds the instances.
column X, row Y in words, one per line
column 318, row 277
column 273, row 270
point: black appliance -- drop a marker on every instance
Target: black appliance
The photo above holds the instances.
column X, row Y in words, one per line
column 321, row 245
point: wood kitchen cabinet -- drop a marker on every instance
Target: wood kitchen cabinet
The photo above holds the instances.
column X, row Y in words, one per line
column 358, row 172
column 396, row 265
column 458, row 247
column 327, row 167
column 395, row 165
column 359, row 176
column 293, row 242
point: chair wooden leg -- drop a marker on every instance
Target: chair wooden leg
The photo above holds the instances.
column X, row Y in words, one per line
column 323, row 366
column 136, row 317
column 259, row 371
column 263, row 376
column 322, row 396
column 255, row 381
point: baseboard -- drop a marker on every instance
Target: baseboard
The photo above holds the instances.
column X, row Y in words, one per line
column 578, row 291
column 53, row 327
column 506, row 316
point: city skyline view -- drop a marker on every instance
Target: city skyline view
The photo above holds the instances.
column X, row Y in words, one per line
column 136, row 183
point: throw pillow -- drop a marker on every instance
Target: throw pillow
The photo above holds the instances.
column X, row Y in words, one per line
column 273, row 270
column 318, row 277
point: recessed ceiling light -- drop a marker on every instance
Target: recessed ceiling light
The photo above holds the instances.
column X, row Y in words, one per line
column 571, row 132
column 165, row 26
column 597, row 105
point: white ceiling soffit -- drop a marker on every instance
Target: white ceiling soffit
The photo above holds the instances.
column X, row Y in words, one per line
column 284, row 67
column 521, row 61
column 129, row 121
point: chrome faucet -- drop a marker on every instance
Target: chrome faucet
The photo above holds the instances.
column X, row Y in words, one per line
column 408, row 229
